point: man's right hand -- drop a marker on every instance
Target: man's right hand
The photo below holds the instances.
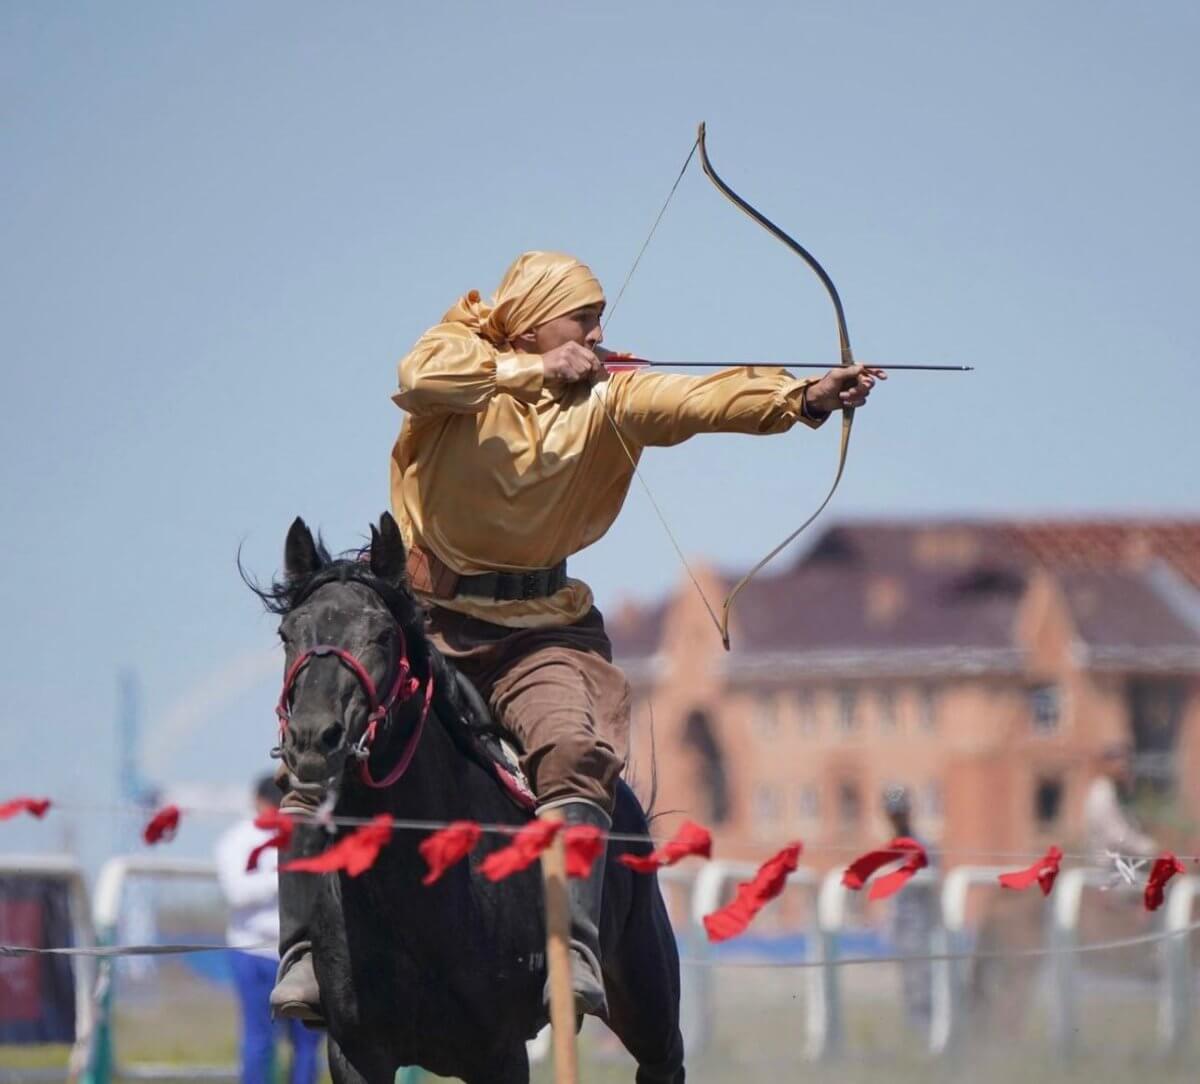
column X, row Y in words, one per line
column 570, row 363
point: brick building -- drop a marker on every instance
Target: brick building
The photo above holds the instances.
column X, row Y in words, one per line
column 984, row 664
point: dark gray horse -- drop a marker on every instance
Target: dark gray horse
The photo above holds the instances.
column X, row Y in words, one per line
column 448, row 977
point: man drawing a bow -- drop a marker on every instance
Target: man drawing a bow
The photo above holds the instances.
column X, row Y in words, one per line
column 517, row 452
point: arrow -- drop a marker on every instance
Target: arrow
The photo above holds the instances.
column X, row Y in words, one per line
column 617, row 363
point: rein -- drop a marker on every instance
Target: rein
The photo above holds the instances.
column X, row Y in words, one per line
column 404, row 687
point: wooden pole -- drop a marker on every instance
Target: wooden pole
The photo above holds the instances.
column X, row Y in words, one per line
column 558, row 960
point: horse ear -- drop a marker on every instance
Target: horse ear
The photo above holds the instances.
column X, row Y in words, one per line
column 301, row 558
column 387, row 550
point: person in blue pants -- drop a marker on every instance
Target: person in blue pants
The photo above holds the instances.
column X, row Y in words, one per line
column 253, row 935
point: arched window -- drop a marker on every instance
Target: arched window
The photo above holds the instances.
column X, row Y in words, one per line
column 700, row 740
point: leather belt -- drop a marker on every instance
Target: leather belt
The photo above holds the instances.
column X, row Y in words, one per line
column 430, row 575
column 504, row 586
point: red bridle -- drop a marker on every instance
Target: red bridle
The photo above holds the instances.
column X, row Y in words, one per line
column 404, row 686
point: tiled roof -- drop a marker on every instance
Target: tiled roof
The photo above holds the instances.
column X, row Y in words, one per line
column 921, row 585
column 1107, row 544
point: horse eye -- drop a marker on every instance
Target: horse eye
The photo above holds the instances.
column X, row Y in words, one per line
column 283, row 636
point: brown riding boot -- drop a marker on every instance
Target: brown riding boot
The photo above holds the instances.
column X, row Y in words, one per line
column 296, row 995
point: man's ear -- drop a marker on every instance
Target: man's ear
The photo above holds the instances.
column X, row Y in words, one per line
column 525, row 343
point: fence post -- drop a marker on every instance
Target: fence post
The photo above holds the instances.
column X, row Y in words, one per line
column 826, row 1031
column 1176, row 992
column 949, row 976
column 1064, row 935
column 558, row 960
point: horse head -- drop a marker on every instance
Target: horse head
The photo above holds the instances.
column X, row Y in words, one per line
column 356, row 654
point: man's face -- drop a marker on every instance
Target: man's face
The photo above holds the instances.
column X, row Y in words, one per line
column 581, row 326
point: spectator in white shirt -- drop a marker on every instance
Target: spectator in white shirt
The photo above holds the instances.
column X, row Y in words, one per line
column 253, row 936
column 1108, row 824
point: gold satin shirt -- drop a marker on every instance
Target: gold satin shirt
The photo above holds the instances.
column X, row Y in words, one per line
column 494, row 469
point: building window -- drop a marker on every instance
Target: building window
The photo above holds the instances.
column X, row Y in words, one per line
column 808, row 802
column 1047, row 800
column 766, row 715
column 847, row 710
column 1045, row 708
column 888, row 721
column 928, row 709
column 806, row 711
column 768, row 810
column 1156, row 712
column 700, row 741
column 849, row 805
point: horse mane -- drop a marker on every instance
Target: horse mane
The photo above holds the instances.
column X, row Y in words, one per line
column 283, row 595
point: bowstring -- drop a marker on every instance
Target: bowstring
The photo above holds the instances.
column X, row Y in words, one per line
column 650, row 236
column 602, row 400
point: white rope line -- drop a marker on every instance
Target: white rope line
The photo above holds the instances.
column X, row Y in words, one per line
column 653, row 839
column 937, row 957
column 104, row 952
column 110, row 951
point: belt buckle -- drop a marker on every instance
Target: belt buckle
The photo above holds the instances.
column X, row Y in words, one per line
column 529, row 585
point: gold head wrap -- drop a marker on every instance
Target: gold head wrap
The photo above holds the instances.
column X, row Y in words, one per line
column 538, row 287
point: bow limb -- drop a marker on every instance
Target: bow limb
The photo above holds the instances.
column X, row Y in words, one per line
column 847, row 358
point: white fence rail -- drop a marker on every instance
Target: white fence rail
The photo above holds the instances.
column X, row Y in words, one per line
column 115, row 876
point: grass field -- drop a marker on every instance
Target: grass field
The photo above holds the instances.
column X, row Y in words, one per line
column 757, row 1036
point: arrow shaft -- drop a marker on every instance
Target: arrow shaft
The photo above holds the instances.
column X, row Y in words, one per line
column 618, row 364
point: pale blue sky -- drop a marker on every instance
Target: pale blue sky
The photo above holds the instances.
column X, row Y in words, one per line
column 222, row 223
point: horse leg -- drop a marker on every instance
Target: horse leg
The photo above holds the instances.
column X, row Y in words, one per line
column 369, row 1065
column 641, row 974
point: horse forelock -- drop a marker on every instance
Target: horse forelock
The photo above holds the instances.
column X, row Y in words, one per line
column 287, row 595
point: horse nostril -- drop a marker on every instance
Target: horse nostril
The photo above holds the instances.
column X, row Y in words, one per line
column 331, row 736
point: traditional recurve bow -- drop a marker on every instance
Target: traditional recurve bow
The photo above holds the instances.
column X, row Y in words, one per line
column 847, row 358
column 846, row 354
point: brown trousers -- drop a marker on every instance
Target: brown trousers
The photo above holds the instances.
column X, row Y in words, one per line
column 556, row 690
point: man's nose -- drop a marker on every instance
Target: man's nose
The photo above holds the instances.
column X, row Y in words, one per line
column 596, row 336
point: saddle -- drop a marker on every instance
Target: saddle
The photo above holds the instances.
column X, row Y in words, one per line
column 478, row 735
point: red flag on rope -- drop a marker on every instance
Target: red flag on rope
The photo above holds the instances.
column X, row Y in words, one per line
column 862, row 867
column 355, row 854
column 161, row 827
column 691, row 839
column 583, row 844
column 522, row 852
column 284, row 827
column 1042, row 873
column 35, row 807
column 753, row 895
column 1166, row 865
column 447, row 846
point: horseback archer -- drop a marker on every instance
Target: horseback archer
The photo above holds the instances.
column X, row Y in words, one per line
column 517, row 452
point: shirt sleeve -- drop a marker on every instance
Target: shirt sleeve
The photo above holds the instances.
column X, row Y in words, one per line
column 660, row 409
column 240, row 886
column 452, row 370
